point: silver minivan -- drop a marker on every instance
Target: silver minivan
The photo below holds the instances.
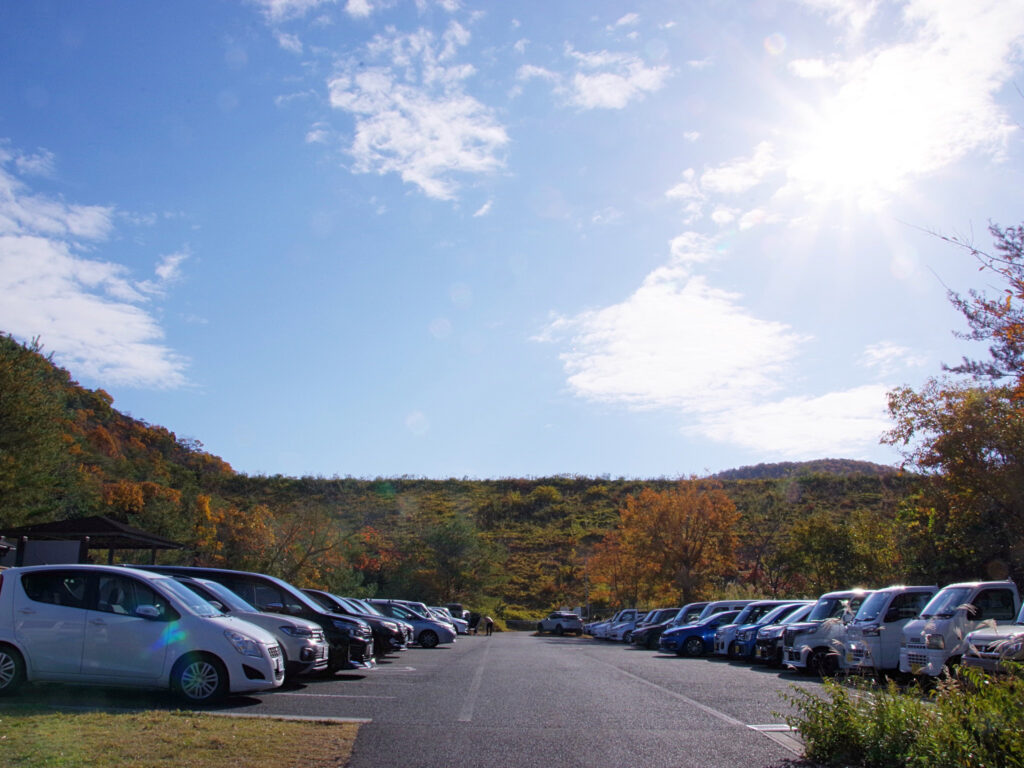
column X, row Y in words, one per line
column 106, row 625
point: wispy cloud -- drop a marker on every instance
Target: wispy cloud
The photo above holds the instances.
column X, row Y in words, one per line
column 283, row 10
column 413, row 115
column 90, row 313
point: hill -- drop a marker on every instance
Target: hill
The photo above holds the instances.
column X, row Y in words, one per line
column 784, row 469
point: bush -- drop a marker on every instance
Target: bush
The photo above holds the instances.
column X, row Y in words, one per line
column 975, row 721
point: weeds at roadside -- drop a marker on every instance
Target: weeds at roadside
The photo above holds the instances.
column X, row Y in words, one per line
column 970, row 721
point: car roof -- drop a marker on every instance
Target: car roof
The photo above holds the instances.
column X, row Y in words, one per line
column 85, row 567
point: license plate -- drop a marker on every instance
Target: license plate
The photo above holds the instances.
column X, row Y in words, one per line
column 849, row 658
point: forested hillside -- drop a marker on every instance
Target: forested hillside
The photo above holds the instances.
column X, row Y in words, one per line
column 517, row 546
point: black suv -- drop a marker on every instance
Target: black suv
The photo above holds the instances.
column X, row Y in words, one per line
column 387, row 635
column 351, row 639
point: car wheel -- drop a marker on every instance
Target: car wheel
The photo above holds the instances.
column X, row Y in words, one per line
column 540, row 629
column 628, row 637
column 694, row 646
column 652, row 643
column 12, row 670
column 428, row 638
column 558, row 630
column 823, row 663
column 199, row 678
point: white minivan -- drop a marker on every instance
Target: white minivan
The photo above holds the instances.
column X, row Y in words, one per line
column 106, row 625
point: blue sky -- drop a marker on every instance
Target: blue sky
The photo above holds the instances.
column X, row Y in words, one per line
column 448, row 239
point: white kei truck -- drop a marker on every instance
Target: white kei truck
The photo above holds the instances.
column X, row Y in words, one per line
column 872, row 640
column 938, row 637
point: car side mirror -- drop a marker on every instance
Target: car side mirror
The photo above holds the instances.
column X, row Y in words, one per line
column 147, row 611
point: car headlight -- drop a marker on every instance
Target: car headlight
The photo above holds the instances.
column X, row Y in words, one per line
column 244, row 645
column 744, row 636
column 935, row 642
column 296, row 631
column 342, row 626
column 390, row 626
column 1013, row 648
column 770, row 634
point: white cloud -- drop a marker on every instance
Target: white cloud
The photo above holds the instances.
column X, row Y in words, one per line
column 741, row 174
column 811, row 69
column 169, row 268
column 838, row 423
column 484, row 209
column 282, row 10
column 86, row 311
column 413, row 116
column 359, row 9
column 629, row 20
column 289, row 42
column 887, row 357
column 676, row 343
column 611, row 80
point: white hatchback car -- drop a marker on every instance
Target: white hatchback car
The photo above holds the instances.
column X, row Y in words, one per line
column 106, row 625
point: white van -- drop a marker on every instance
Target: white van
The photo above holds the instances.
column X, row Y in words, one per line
column 872, row 640
column 939, row 635
column 107, row 625
column 811, row 645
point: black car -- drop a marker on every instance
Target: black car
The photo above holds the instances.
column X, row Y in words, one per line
column 387, row 635
column 351, row 639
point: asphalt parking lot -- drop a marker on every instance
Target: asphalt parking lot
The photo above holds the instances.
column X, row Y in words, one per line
column 520, row 699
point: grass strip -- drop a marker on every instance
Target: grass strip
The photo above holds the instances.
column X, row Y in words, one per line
column 158, row 739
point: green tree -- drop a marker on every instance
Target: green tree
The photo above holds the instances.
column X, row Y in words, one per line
column 34, row 464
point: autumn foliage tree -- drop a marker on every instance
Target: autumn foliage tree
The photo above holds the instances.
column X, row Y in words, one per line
column 967, row 438
column 670, row 546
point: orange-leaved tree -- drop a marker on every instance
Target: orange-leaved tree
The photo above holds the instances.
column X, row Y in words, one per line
column 672, row 545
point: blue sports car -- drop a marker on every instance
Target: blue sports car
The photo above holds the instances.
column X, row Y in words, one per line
column 695, row 639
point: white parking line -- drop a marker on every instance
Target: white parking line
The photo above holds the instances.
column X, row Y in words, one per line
column 466, row 713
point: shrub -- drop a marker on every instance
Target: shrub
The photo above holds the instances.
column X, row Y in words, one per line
column 975, row 721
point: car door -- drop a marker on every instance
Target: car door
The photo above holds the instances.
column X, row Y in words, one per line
column 120, row 643
column 905, row 606
column 49, row 621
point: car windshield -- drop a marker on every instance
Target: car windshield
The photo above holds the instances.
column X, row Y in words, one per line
column 798, row 614
column 773, row 615
column 873, row 606
column 753, row 612
column 828, row 608
column 195, row 603
column 945, row 603
column 227, row 598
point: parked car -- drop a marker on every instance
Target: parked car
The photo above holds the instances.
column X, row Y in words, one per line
column 428, row 632
column 814, row 644
column 305, row 649
column 768, row 645
column 561, row 622
column 695, row 639
column 744, row 641
column 387, row 635
column 362, row 606
column 749, row 615
column 872, row 640
column 717, row 606
column 601, row 631
column 350, row 640
column 647, row 632
column 623, row 631
column 992, row 647
column 938, row 637
column 460, row 624
column 111, row 626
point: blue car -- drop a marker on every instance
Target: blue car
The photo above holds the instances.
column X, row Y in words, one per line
column 744, row 642
column 695, row 639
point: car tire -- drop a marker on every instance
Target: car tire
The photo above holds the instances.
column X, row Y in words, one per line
column 199, row 678
column 652, row 643
column 12, row 670
column 693, row 646
column 428, row 639
column 559, row 630
column 823, row 663
column 628, row 637
column 540, row 629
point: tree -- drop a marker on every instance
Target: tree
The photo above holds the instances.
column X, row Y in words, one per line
column 672, row 545
column 968, row 439
column 33, row 454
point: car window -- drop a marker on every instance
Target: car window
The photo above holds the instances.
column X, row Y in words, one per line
column 907, row 605
column 56, row 587
column 996, row 604
column 122, row 595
